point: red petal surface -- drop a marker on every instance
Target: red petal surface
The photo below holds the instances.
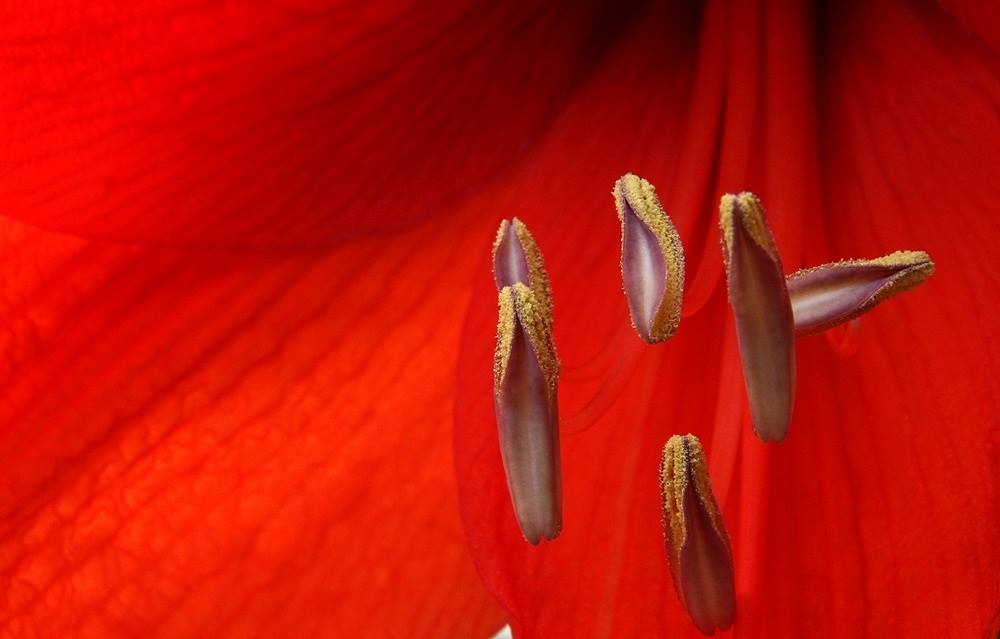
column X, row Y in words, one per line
column 893, row 469
column 877, row 515
column 289, row 123
column 183, row 434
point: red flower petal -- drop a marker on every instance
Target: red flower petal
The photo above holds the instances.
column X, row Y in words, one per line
column 182, row 435
column 876, row 516
column 284, row 123
column 893, row 471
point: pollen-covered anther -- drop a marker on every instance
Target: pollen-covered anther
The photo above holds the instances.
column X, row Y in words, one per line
column 652, row 260
column 831, row 294
column 516, row 258
column 697, row 544
column 525, row 380
column 765, row 328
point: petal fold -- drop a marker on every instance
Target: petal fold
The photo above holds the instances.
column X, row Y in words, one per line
column 270, row 124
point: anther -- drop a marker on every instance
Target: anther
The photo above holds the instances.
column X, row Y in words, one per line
column 831, row 294
column 652, row 260
column 516, row 258
column 525, row 379
column 698, row 548
column 763, row 313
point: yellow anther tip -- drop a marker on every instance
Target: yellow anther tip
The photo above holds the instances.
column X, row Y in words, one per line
column 520, row 306
column 747, row 210
column 683, row 464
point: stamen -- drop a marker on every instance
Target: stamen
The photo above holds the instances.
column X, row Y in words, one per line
column 516, row 258
column 652, row 260
column 763, row 313
column 525, row 379
column 831, row 294
column 698, row 547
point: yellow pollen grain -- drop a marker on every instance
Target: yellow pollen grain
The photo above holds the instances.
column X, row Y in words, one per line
column 501, row 232
column 673, row 483
column 506, row 324
column 536, row 266
column 747, row 209
column 683, row 466
column 640, row 196
column 519, row 305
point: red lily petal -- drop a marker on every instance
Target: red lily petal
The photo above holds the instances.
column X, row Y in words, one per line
column 182, row 434
column 897, row 452
column 877, row 512
column 271, row 124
